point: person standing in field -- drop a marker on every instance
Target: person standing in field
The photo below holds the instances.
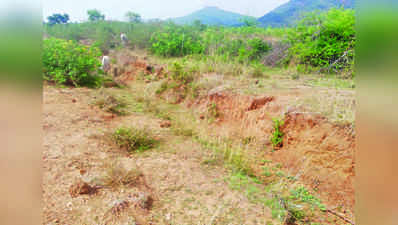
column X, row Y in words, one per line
column 124, row 39
column 106, row 62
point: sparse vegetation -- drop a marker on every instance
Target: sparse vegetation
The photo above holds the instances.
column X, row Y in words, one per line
column 231, row 155
column 133, row 139
column 277, row 135
column 302, row 194
column 178, row 73
column 182, row 131
column 212, row 111
column 258, row 70
column 112, row 104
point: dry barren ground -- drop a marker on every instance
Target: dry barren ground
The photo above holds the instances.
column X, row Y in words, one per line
column 171, row 185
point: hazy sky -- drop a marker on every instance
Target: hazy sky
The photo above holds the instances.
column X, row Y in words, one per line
column 115, row 9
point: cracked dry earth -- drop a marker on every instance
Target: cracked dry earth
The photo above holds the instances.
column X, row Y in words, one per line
column 181, row 189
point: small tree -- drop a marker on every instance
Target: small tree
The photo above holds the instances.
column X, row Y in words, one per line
column 133, row 17
column 58, row 19
column 95, row 15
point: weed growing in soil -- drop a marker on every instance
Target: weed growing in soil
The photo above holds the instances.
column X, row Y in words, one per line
column 212, row 112
column 277, row 135
column 133, row 139
column 178, row 73
column 302, row 194
column 232, row 157
column 163, row 87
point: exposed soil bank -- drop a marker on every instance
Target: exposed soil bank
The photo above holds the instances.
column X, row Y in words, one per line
column 318, row 152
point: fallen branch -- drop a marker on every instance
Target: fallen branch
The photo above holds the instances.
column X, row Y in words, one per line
column 340, row 216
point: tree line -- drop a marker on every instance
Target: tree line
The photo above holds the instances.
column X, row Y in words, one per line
column 93, row 16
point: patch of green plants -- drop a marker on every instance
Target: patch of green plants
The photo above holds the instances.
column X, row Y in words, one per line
column 163, row 87
column 257, row 48
column 324, row 40
column 133, row 139
column 212, row 111
column 68, row 63
column 233, row 157
column 194, row 89
column 178, row 73
column 258, row 70
column 106, row 33
column 163, row 115
column 277, row 135
column 174, row 40
column 321, row 42
column 276, row 204
column 280, row 174
column 302, row 194
column 266, row 171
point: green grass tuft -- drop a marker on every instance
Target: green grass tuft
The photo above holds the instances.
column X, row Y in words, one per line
column 277, row 135
column 133, row 139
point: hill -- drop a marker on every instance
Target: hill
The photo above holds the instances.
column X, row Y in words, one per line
column 289, row 12
column 212, row 16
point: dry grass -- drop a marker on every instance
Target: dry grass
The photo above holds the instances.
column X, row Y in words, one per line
column 117, row 176
column 111, row 103
column 180, row 130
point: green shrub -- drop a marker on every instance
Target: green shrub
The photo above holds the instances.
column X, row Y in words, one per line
column 106, row 33
column 302, row 194
column 176, row 40
column 178, row 73
column 133, row 139
column 277, row 135
column 68, row 63
column 325, row 40
column 257, row 48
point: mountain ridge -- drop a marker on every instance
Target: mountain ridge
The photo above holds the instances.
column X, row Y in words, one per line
column 286, row 14
column 212, row 15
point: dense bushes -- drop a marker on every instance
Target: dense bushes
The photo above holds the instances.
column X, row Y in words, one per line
column 243, row 44
column 66, row 62
column 106, row 33
column 176, row 40
column 322, row 42
column 325, row 40
column 188, row 40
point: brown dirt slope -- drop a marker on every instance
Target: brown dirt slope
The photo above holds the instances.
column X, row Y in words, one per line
column 318, row 152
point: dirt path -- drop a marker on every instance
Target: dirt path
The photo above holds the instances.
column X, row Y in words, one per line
column 183, row 190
